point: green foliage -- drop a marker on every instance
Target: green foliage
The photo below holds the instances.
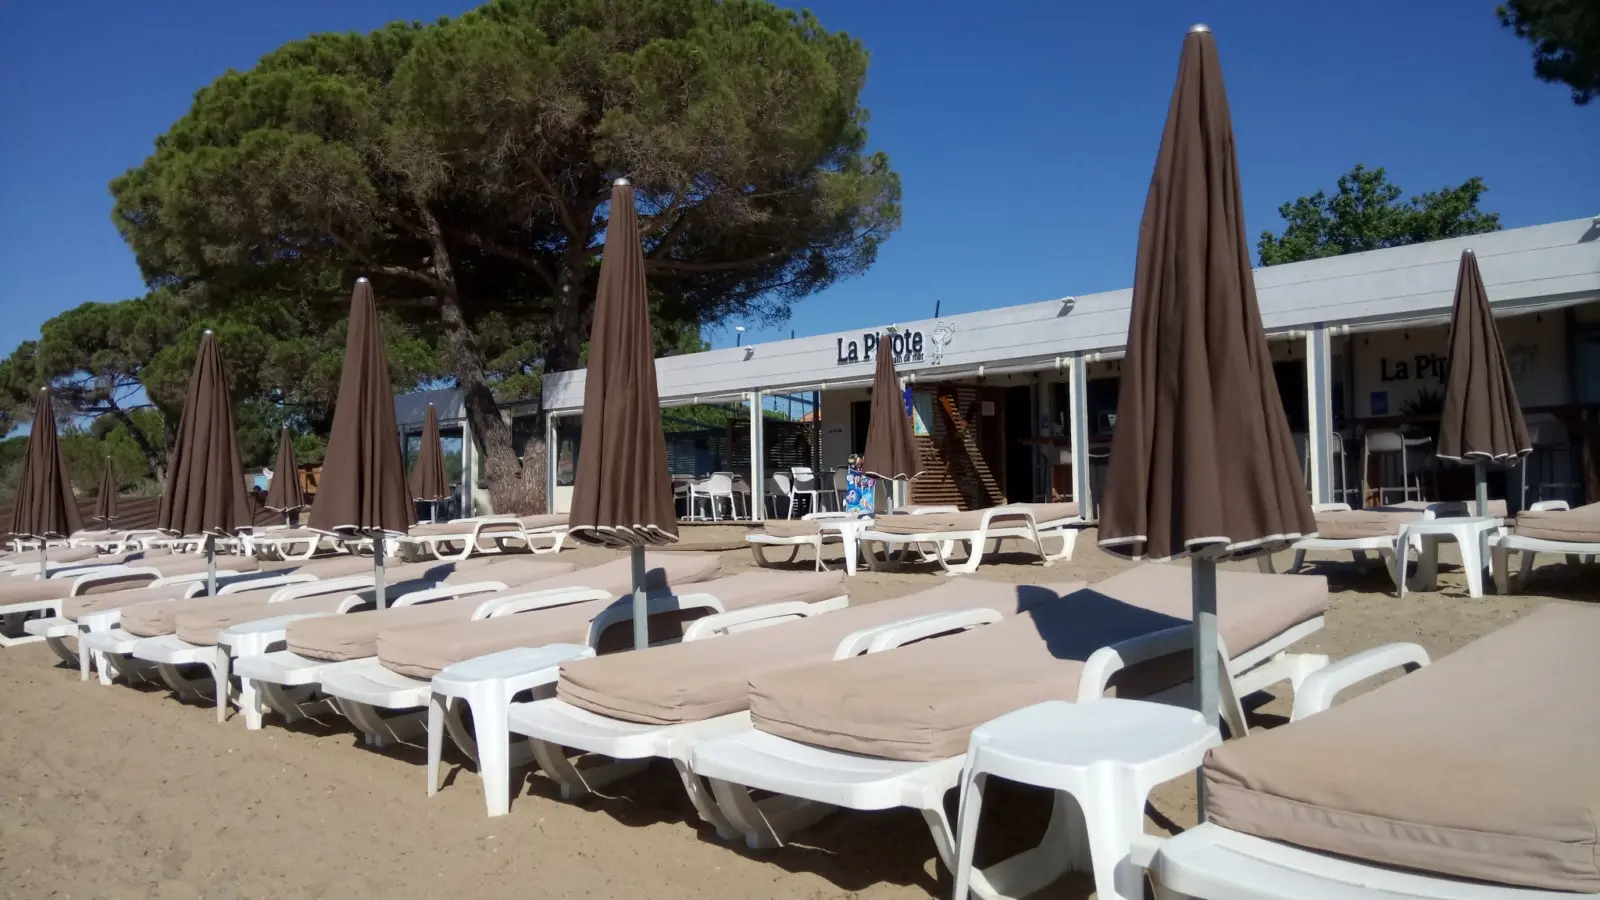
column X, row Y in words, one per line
column 465, row 166
column 1565, row 35
column 1368, row 214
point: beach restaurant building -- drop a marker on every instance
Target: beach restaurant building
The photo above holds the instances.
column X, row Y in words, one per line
column 1018, row 403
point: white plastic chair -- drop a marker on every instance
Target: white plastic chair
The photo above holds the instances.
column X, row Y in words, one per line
column 841, row 486
column 804, row 482
column 782, row 486
column 718, row 486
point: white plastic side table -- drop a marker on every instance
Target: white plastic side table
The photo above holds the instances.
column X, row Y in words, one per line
column 1107, row 756
column 1471, row 532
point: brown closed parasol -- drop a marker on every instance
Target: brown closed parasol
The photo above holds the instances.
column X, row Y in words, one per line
column 891, row 446
column 363, row 490
column 105, row 502
column 284, row 494
column 427, row 478
column 622, row 493
column 1202, row 462
column 1482, row 420
column 205, row 477
column 45, row 507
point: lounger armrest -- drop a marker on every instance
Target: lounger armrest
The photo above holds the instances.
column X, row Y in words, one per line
column 828, row 515
column 655, row 604
column 311, row 586
column 446, row 592
column 895, row 634
column 1317, row 691
column 531, row 600
column 264, row 581
column 83, row 582
column 1550, row 506
column 1330, row 507
column 923, row 510
column 747, row 619
column 1107, row 661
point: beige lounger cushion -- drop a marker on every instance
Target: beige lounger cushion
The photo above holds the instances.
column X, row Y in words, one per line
column 421, row 651
column 792, row 528
column 1480, row 766
column 201, row 626
column 356, row 636
column 1356, row 524
column 699, row 680
column 971, row 520
column 921, row 702
column 159, row 616
column 22, row 590
column 66, row 555
column 1573, row 526
column 452, row 529
column 1050, row 512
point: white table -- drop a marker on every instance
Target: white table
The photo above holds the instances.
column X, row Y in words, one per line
column 1471, row 532
column 1106, row 755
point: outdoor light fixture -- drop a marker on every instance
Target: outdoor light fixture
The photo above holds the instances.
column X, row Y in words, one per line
column 892, row 329
column 738, row 335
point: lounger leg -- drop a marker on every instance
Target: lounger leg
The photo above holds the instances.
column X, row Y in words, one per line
column 704, row 803
column 250, row 704
column 1528, row 557
column 767, row 824
column 1062, row 849
column 974, row 557
column 1264, row 564
column 1113, row 812
column 59, row 647
column 83, row 662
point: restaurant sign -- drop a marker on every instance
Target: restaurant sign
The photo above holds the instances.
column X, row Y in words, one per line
column 907, row 346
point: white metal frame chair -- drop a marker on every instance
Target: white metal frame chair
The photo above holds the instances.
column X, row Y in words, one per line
column 804, row 481
column 783, row 488
column 1548, row 436
column 1383, row 443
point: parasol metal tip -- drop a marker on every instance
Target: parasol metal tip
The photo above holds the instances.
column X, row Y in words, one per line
column 1199, row 28
column 43, row 388
column 207, row 331
column 1468, row 252
column 362, row 280
column 621, row 182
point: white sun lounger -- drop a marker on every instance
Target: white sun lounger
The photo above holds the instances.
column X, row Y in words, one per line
column 680, row 695
column 41, row 611
column 1487, row 791
column 294, row 543
column 1573, row 533
column 487, row 534
column 976, row 528
column 64, row 583
column 529, row 656
column 290, row 682
column 818, row 778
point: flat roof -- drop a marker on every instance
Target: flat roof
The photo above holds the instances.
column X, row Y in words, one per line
column 1558, row 263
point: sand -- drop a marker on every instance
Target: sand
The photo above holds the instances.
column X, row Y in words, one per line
column 130, row 793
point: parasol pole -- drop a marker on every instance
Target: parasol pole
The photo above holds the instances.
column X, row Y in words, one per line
column 641, row 618
column 1203, row 574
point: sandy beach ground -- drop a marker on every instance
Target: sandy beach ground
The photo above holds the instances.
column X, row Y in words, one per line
column 130, row 793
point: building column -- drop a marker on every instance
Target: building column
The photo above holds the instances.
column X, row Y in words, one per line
column 1078, row 430
column 758, row 451
column 1319, row 413
column 550, row 455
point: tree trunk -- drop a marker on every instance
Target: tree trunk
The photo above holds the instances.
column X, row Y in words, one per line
column 500, row 468
column 156, row 461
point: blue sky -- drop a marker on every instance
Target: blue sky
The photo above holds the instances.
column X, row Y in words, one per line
column 1024, row 132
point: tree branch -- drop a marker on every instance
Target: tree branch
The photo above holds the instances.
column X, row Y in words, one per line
column 393, row 271
column 528, row 262
column 567, row 220
column 672, row 267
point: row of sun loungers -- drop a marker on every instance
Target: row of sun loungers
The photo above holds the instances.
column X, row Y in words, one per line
column 777, row 701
